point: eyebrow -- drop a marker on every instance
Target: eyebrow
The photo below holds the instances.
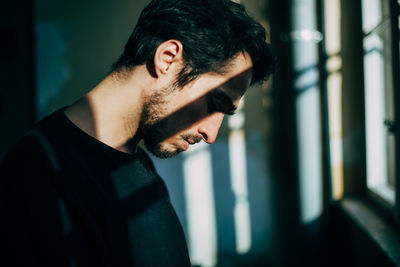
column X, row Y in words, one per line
column 226, row 99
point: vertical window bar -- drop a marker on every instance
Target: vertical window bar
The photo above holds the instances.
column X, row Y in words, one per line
column 326, row 161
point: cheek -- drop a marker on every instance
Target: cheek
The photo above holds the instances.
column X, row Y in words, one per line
column 176, row 114
column 190, row 113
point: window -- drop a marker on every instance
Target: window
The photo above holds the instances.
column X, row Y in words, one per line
column 379, row 98
column 372, row 78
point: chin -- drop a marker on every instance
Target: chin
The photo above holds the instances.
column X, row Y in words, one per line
column 162, row 151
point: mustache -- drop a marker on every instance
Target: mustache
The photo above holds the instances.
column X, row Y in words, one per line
column 192, row 138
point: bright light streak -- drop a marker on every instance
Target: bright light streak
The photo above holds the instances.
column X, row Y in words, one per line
column 334, row 66
column 200, row 206
column 237, row 157
column 238, row 163
column 336, row 133
column 309, row 141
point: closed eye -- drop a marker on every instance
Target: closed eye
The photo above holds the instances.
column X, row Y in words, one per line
column 219, row 101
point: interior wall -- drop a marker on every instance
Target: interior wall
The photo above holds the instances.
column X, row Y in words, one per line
column 17, row 90
column 76, row 44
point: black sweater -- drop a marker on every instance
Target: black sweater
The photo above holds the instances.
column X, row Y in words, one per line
column 66, row 199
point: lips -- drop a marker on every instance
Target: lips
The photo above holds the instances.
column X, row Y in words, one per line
column 190, row 140
column 185, row 145
column 193, row 139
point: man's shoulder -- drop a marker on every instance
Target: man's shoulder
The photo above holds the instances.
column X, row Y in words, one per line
column 36, row 147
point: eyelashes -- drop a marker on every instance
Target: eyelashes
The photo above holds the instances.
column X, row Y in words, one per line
column 219, row 102
column 213, row 104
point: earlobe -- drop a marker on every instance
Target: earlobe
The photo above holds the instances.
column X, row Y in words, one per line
column 166, row 57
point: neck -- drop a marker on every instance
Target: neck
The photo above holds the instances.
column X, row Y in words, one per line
column 111, row 111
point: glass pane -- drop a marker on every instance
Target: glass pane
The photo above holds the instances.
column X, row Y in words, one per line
column 379, row 111
column 371, row 14
column 374, row 12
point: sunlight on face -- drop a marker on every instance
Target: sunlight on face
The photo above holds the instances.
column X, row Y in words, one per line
column 174, row 118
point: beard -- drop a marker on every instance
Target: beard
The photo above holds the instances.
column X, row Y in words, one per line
column 154, row 124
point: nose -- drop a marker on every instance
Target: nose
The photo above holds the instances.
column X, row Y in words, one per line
column 209, row 127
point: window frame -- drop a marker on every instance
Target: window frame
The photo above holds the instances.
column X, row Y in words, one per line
column 395, row 28
column 373, row 196
column 356, row 186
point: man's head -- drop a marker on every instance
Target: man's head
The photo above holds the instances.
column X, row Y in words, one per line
column 212, row 32
column 213, row 50
column 174, row 118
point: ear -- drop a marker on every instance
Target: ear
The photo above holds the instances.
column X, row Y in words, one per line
column 168, row 57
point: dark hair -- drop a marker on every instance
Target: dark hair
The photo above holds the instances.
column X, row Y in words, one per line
column 212, row 32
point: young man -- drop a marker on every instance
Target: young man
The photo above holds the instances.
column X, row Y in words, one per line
column 77, row 190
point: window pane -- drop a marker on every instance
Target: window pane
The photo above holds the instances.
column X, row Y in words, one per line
column 373, row 12
column 379, row 110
